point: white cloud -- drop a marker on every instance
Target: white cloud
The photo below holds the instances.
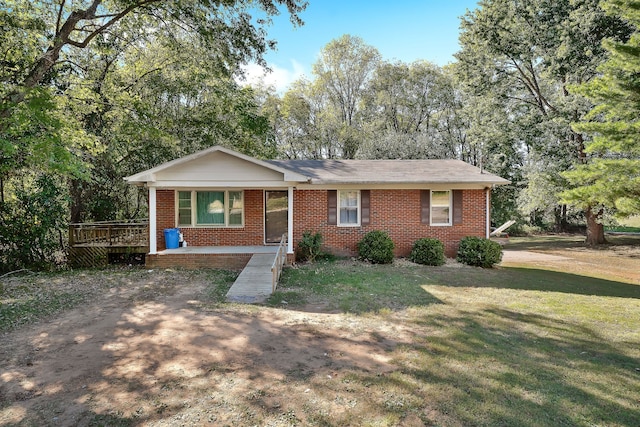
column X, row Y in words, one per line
column 279, row 78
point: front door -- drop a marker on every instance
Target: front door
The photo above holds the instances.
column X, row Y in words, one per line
column 276, row 207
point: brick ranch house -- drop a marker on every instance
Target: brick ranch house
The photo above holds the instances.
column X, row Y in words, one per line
column 219, row 197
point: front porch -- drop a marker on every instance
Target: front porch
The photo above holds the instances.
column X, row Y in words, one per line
column 225, row 257
column 261, row 266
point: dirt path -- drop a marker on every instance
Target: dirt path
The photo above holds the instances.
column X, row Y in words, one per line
column 614, row 262
column 511, row 256
column 167, row 361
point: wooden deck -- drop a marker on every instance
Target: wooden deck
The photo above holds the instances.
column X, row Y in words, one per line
column 91, row 244
column 109, row 233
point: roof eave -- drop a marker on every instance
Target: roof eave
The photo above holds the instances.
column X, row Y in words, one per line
column 377, row 182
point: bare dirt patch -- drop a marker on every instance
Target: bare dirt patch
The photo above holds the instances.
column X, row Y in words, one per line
column 154, row 355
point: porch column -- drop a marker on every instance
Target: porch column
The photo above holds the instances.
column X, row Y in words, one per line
column 153, row 244
column 290, row 221
column 487, row 192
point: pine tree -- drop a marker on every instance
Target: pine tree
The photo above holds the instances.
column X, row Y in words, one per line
column 611, row 177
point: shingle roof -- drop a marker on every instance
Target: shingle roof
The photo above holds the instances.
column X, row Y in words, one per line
column 389, row 171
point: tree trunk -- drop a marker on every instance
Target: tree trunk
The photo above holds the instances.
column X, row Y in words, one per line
column 595, row 230
column 560, row 215
column 557, row 219
column 77, row 200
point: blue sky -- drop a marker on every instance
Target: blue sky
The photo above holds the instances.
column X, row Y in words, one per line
column 404, row 30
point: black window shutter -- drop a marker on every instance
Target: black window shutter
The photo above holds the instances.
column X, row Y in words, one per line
column 365, row 206
column 332, row 207
column 425, row 205
column 457, row 207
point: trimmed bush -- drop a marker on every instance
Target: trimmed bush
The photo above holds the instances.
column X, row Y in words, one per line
column 428, row 252
column 479, row 252
column 376, row 247
column 309, row 247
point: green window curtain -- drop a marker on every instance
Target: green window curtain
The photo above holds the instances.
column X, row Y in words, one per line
column 210, row 207
column 184, row 207
column 236, row 207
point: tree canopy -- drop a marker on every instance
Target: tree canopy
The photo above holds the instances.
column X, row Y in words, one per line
column 520, row 59
column 543, row 93
column 93, row 91
column 612, row 176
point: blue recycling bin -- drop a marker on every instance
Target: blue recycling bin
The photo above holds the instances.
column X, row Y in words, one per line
column 171, row 238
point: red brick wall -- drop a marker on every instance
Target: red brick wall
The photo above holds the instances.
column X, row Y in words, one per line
column 252, row 234
column 225, row 261
column 395, row 211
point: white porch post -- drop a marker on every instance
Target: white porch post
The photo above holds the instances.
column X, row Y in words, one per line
column 290, row 221
column 487, row 192
column 153, row 244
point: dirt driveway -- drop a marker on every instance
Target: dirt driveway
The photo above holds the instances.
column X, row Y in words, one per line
column 165, row 360
column 568, row 254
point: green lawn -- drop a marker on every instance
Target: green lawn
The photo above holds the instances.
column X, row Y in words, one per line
column 508, row 346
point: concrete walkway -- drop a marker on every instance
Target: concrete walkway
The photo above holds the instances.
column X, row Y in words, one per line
column 254, row 282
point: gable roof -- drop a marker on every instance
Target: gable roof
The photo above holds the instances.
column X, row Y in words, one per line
column 149, row 174
column 322, row 172
column 440, row 171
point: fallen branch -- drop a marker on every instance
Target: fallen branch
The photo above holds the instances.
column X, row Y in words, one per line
column 16, row 271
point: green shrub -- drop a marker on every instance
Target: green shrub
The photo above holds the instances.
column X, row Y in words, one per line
column 428, row 252
column 309, row 247
column 479, row 252
column 376, row 247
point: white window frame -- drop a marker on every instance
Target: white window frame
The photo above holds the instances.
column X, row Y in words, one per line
column 358, row 209
column 432, row 205
column 194, row 209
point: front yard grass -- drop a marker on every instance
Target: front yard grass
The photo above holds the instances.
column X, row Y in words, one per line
column 509, row 346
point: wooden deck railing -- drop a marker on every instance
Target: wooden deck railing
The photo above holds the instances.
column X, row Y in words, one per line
column 278, row 263
column 109, row 233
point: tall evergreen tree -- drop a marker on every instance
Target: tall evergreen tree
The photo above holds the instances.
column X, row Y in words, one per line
column 611, row 177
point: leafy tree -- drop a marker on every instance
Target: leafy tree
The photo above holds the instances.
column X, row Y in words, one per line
column 92, row 91
column 157, row 105
column 303, row 123
column 31, row 222
column 344, row 69
column 407, row 95
column 223, row 26
column 522, row 57
column 611, row 178
column 412, row 113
